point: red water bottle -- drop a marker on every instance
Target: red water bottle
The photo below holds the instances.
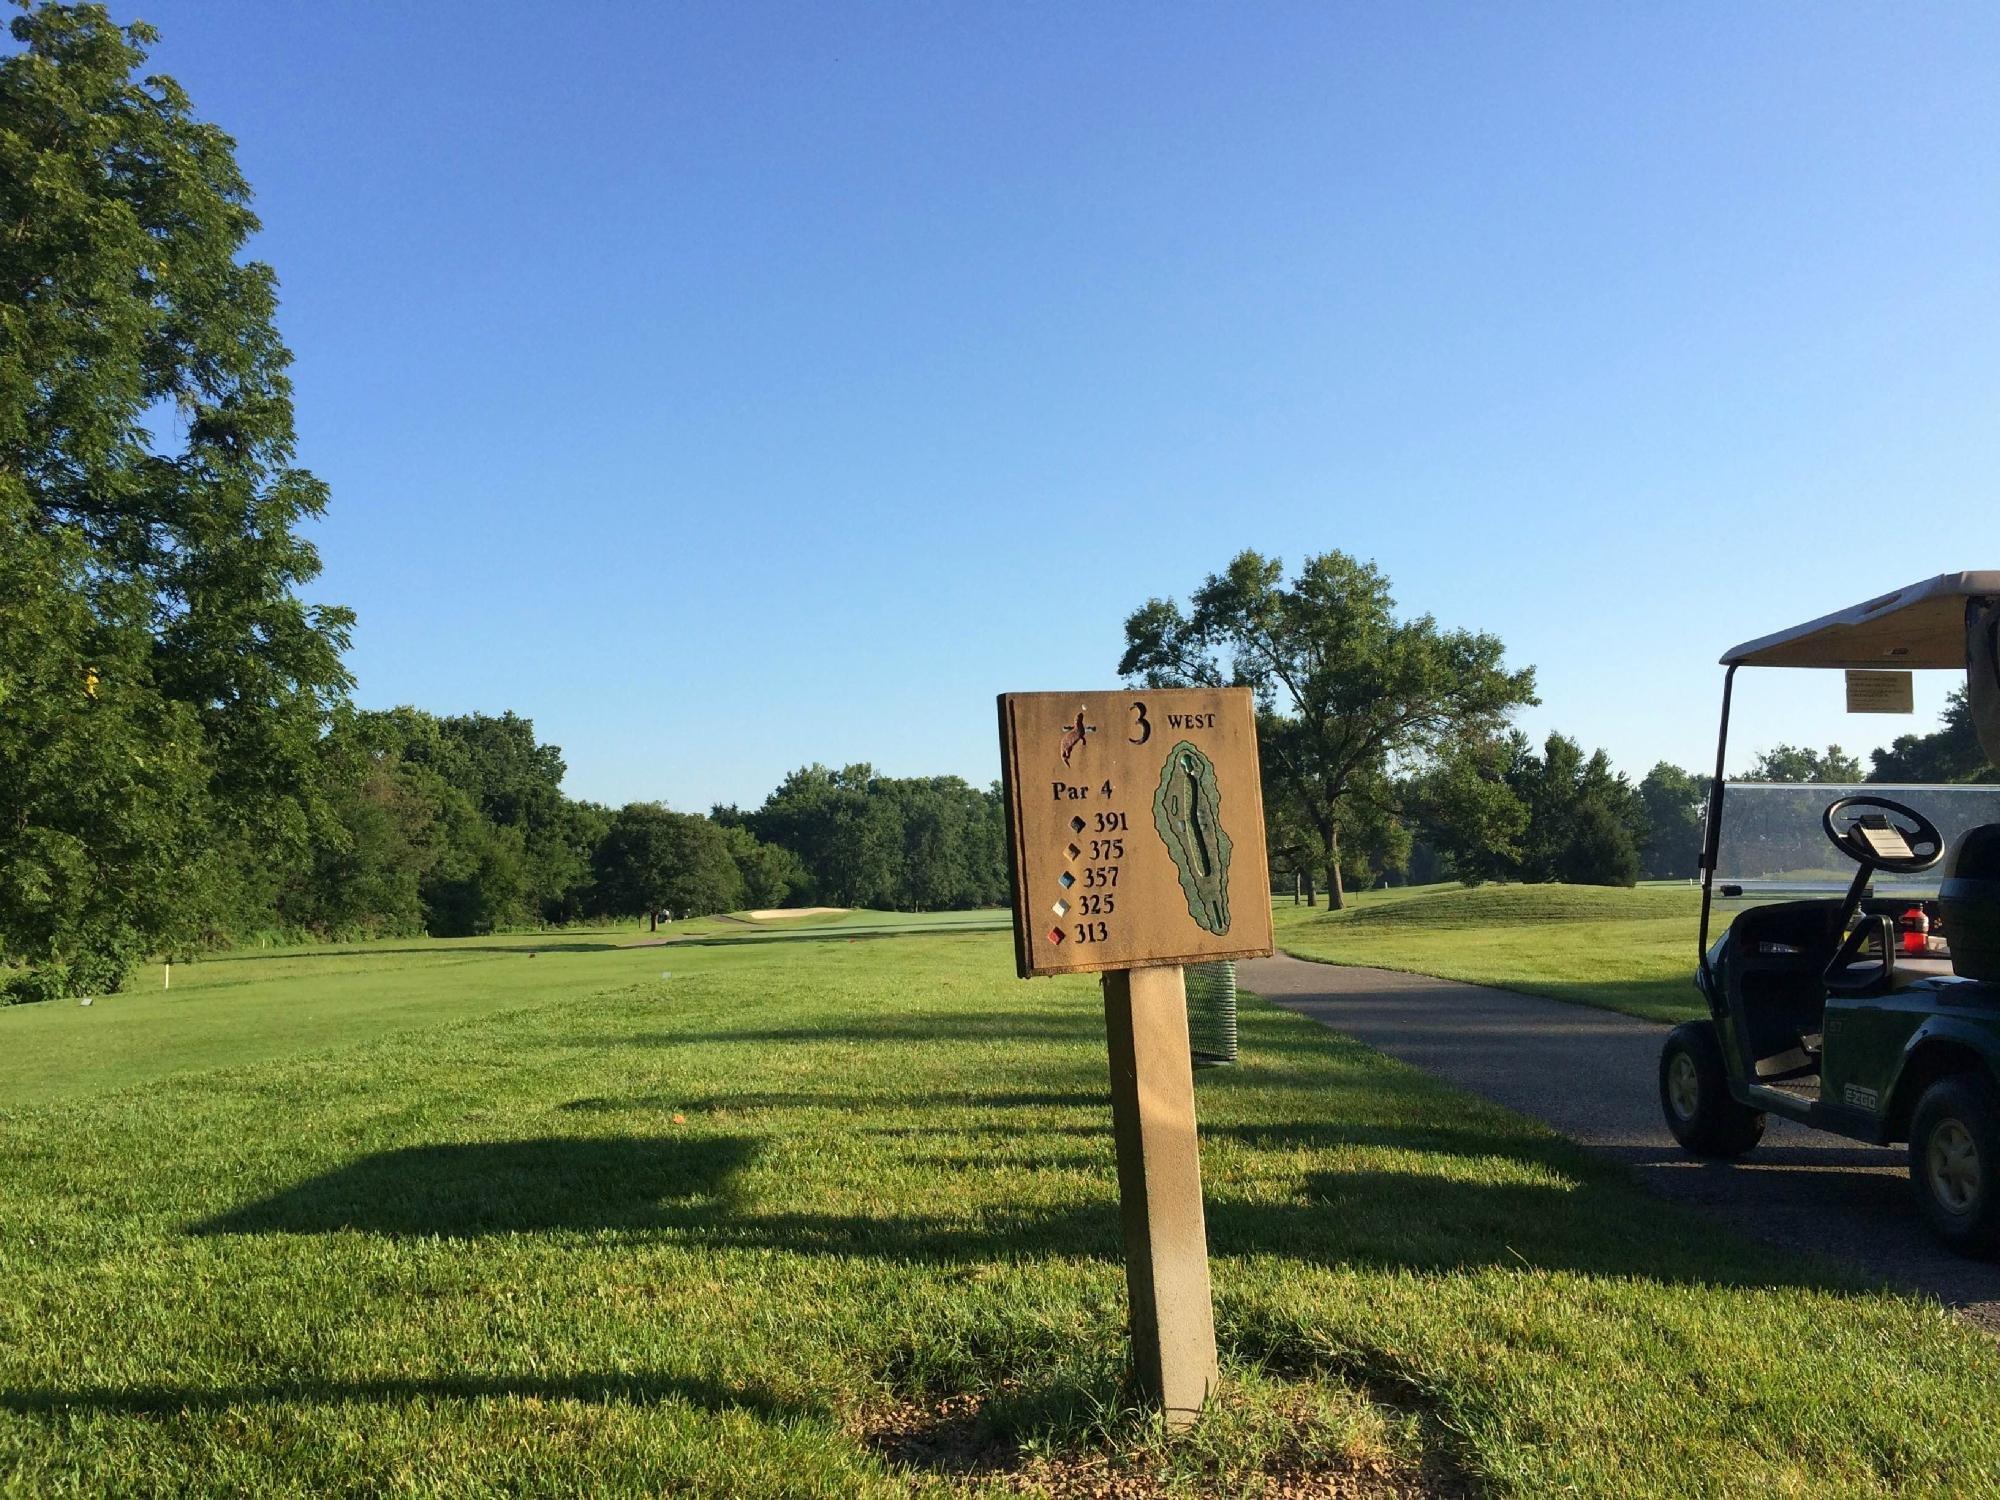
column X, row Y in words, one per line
column 1916, row 927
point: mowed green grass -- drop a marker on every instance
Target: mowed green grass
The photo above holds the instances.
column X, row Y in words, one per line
column 572, row 1227
column 244, row 1007
column 1628, row 950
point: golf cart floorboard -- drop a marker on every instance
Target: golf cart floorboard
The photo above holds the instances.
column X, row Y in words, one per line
column 1800, row 1100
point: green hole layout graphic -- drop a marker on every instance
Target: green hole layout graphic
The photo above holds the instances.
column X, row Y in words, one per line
column 1187, row 810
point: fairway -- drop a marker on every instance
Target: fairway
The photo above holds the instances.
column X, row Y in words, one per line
column 825, row 1215
column 1627, row 950
column 246, row 1006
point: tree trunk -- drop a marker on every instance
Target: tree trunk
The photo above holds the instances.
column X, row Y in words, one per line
column 1336, row 892
column 1312, row 891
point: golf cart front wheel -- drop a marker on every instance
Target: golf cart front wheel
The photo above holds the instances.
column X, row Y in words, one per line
column 1694, row 1095
column 1955, row 1162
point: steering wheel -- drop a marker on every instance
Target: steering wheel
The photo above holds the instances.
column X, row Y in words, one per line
column 1926, row 846
column 1926, row 843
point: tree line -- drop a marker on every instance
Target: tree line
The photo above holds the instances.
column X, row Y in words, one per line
column 451, row 826
column 459, row 825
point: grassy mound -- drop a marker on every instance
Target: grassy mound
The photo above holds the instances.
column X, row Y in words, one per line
column 1486, row 905
column 1628, row 950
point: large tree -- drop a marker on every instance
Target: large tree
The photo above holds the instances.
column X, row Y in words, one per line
column 1585, row 822
column 1347, row 693
column 653, row 859
column 1673, row 800
column 1499, row 810
column 1470, row 810
column 1952, row 752
column 904, row 843
column 516, row 783
column 166, row 687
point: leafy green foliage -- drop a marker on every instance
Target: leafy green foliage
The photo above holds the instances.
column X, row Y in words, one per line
column 1349, row 695
column 515, row 782
column 654, row 859
column 165, row 688
column 1499, row 811
column 1601, row 848
column 1801, row 763
column 1584, row 820
column 1951, row 752
column 1672, row 801
column 771, row 875
column 1470, row 811
column 908, row 844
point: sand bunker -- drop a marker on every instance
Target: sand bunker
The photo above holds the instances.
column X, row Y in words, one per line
column 773, row 913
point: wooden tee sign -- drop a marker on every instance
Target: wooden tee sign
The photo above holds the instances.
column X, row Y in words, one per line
column 1135, row 826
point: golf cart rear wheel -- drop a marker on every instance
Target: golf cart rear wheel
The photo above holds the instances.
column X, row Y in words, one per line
column 1955, row 1162
column 1694, row 1095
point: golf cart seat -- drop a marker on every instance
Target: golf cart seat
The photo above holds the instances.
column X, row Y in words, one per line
column 1969, row 901
column 1777, row 965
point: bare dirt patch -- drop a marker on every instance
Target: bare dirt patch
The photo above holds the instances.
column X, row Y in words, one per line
column 949, row 1437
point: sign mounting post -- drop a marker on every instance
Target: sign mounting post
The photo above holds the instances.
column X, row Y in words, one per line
column 1135, row 826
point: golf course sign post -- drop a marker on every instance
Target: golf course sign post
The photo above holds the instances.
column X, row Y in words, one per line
column 1135, row 828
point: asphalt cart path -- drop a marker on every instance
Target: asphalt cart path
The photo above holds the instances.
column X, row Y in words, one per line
column 1593, row 1075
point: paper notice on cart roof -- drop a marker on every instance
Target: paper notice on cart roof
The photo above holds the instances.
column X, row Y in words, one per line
column 1881, row 693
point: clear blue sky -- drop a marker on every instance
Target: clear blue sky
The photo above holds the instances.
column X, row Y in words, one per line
column 731, row 386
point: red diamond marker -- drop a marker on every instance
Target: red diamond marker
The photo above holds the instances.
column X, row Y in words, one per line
column 1056, row 935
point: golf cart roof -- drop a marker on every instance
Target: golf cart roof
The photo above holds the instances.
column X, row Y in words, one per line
column 1919, row 626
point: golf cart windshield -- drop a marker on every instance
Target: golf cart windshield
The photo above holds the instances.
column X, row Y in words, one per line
column 1774, row 845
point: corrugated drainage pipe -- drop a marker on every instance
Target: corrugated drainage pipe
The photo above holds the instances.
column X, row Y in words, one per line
column 1211, row 1002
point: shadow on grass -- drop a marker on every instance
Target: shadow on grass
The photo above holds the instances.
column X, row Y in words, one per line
column 602, row 1389
column 1489, row 1202
column 1379, row 1220
column 501, row 1187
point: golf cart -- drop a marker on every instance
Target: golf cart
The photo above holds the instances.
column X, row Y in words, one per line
column 1874, row 1014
